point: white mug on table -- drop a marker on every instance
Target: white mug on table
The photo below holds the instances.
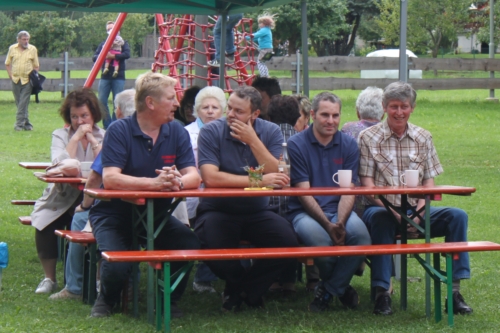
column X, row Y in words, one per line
column 409, row 178
column 85, row 169
column 344, row 178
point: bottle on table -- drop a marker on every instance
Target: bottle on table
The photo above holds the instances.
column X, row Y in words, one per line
column 284, row 161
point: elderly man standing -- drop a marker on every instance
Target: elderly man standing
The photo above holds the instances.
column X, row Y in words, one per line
column 225, row 147
column 151, row 152
column 387, row 150
column 21, row 60
column 315, row 155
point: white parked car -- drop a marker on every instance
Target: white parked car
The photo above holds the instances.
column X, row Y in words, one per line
column 389, row 73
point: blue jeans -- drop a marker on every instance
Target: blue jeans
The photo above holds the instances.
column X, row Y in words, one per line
column 105, row 88
column 74, row 261
column 445, row 221
column 336, row 272
column 232, row 20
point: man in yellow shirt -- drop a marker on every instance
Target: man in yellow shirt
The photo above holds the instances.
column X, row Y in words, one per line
column 21, row 60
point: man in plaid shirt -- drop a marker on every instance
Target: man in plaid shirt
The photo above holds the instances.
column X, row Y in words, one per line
column 387, row 150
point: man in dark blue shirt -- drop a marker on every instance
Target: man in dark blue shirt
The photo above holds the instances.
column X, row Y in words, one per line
column 225, row 147
column 315, row 155
column 148, row 152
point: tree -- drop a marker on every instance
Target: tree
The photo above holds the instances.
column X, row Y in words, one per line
column 6, row 38
column 92, row 30
column 50, row 33
column 332, row 24
column 483, row 20
column 430, row 22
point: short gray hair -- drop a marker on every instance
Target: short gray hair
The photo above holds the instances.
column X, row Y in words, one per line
column 369, row 103
column 125, row 101
column 209, row 92
column 400, row 91
column 23, row 33
column 326, row 96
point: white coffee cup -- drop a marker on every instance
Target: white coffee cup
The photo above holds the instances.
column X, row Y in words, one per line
column 85, row 169
column 344, row 178
column 409, row 178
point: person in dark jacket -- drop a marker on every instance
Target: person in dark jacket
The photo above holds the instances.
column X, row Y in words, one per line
column 110, row 82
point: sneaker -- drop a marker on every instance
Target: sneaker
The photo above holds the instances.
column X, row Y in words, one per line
column 213, row 63
column 47, row 286
column 383, row 305
column 115, row 73
column 64, row 294
column 175, row 311
column 459, row 305
column 350, row 299
column 28, row 128
column 230, row 56
column 311, row 285
column 17, row 128
column 105, row 71
column 100, row 308
column 322, row 299
column 231, row 302
column 202, row 287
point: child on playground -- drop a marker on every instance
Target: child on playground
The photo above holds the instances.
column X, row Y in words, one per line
column 264, row 37
column 116, row 48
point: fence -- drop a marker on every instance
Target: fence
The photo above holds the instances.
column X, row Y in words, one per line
column 325, row 64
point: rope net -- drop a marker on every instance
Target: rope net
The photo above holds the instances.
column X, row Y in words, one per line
column 177, row 53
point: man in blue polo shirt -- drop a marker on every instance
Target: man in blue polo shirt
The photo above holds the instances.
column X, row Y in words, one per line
column 315, row 155
column 225, row 147
column 150, row 152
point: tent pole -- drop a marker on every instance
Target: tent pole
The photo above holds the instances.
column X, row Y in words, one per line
column 403, row 59
column 222, row 60
column 305, row 50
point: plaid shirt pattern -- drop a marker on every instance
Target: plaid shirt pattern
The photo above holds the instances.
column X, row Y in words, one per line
column 384, row 156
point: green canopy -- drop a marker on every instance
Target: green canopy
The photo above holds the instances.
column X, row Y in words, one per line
column 199, row 7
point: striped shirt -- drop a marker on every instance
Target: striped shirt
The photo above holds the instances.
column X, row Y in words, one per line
column 22, row 62
column 384, row 156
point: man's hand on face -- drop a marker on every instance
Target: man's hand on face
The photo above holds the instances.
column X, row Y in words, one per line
column 337, row 233
column 243, row 132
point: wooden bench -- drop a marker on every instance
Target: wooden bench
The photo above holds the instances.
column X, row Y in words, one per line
column 25, row 220
column 23, row 202
column 162, row 258
column 90, row 259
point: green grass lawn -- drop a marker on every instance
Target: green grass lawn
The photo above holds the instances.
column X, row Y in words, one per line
column 466, row 132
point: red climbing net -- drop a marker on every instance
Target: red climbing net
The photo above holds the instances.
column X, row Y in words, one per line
column 176, row 53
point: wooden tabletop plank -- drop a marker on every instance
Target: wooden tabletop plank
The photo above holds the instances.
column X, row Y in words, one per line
column 35, row 165
column 293, row 191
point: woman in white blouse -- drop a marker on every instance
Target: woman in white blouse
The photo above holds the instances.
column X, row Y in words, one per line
column 80, row 139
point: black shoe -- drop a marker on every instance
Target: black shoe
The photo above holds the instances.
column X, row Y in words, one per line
column 231, row 302
column 383, row 305
column 459, row 305
column 101, row 308
column 230, row 56
column 322, row 299
column 350, row 299
column 175, row 312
